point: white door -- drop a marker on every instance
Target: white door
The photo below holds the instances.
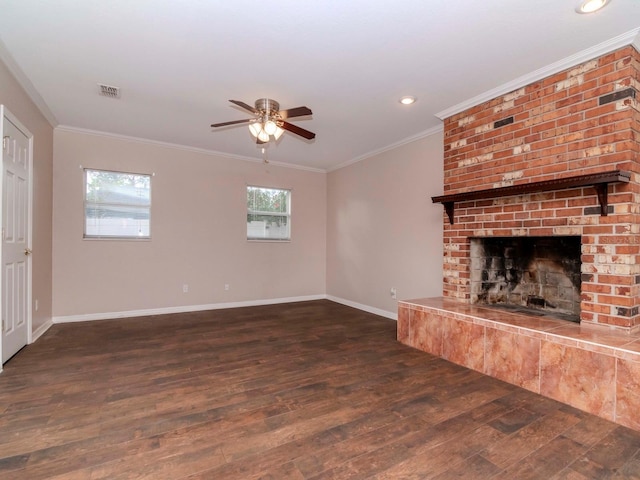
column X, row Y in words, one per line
column 16, row 281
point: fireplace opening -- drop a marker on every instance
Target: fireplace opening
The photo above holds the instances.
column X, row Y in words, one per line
column 537, row 275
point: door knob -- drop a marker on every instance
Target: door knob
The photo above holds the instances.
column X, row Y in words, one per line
column 27, row 251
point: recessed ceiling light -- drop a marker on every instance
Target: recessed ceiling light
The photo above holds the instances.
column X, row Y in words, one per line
column 590, row 6
column 408, row 100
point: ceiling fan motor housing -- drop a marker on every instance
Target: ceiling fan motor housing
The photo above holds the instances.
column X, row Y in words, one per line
column 268, row 106
column 271, row 119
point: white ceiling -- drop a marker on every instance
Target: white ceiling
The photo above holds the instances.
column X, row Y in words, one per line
column 179, row 62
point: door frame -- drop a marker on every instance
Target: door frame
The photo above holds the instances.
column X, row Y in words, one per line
column 4, row 112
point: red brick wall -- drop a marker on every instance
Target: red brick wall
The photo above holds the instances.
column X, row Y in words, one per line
column 562, row 126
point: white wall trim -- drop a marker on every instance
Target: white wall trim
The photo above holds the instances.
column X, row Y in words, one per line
column 181, row 309
column 204, row 151
column 629, row 38
column 41, row 330
column 366, row 308
column 413, row 138
column 26, row 84
column 212, row 306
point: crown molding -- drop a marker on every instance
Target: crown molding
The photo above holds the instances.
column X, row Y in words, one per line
column 203, row 151
column 186, row 148
column 26, row 84
column 631, row 37
column 373, row 153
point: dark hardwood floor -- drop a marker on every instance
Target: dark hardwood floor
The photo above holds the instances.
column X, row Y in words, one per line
column 311, row 390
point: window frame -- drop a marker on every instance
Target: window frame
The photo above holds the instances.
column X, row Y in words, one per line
column 88, row 203
column 287, row 214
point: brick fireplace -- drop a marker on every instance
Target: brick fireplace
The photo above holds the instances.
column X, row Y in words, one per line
column 581, row 121
column 557, row 158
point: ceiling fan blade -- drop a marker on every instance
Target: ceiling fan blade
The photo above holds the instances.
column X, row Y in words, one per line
column 294, row 112
column 245, row 106
column 297, row 130
column 234, row 122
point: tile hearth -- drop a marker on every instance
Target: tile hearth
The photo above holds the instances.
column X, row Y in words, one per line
column 595, row 369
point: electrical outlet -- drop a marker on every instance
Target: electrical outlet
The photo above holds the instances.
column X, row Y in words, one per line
column 37, row 305
column 226, row 287
column 185, row 288
column 393, row 292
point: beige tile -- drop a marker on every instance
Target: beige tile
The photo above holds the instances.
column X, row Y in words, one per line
column 513, row 358
column 430, row 335
column 403, row 324
column 463, row 343
column 628, row 394
column 630, row 351
column 578, row 377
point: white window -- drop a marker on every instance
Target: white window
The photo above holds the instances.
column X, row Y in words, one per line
column 117, row 205
column 268, row 214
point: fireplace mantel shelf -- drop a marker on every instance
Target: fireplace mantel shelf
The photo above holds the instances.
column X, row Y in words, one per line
column 598, row 180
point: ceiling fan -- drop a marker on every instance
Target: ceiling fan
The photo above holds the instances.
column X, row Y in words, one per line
column 270, row 120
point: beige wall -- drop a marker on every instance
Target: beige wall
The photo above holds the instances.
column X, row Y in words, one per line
column 383, row 231
column 15, row 99
column 198, row 232
column 357, row 231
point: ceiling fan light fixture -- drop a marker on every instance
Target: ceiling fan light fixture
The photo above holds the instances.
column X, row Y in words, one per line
column 278, row 133
column 269, row 120
column 263, row 136
column 590, row 6
column 270, row 127
column 255, row 129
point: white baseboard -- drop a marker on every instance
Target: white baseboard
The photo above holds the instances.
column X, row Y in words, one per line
column 212, row 306
column 366, row 308
column 181, row 309
column 41, row 330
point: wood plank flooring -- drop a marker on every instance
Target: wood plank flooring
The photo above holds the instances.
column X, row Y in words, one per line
column 311, row 390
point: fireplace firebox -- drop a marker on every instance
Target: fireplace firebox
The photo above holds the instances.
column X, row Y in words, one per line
column 540, row 275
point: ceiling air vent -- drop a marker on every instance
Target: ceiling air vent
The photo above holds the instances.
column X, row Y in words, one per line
column 109, row 91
